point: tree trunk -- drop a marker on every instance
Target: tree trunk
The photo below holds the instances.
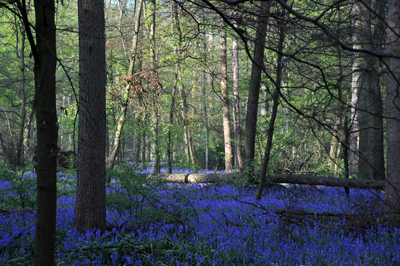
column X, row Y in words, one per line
column 128, row 87
column 155, row 117
column 225, row 104
column 392, row 196
column 254, row 90
column 156, row 156
column 238, row 161
column 27, row 133
column 137, row 148
column 190, row 160
column 23, row 99
column 47, row 128
column 273, row 115
column 171, row 121
column 366, row 90
column 333, row 148
column 90, row 206
column 204, row 82
column 144, row 141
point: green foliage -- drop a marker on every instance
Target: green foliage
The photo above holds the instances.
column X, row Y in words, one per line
column 252, row 168
column 137, row 194
column 22, row 192
column 7, row 174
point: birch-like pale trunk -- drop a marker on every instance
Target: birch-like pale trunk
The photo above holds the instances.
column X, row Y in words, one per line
column 367, row 110
column 155, row 117
column 225, row 104
column 204, row 82
column 238, row 160
column 127, row 90
column 23, row 99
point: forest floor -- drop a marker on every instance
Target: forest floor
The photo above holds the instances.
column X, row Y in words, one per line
column 156, row 223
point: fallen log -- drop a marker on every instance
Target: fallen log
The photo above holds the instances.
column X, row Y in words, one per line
column 291, row 179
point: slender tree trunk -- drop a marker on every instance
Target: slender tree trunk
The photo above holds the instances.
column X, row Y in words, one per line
column 273, row 116
column 27, row 133
column 148, row 148
column 254, row 90
column 90, row 206
column 238, row 162
column 392, row 196
column 204, row 82
column 190, row 160
column 332, row 152
column 155, row 116
column 171, row 121
column 3, row 147
column 225, row 104
column 44, row 53
column 137, row 148
column 206, row 130
column 144, row 141
column 128, row 87
column 23, row 99
column 156, row 156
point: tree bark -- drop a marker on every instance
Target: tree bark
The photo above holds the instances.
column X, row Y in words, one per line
column 334, row 142
column 238, row 161
column 44, row 53
column 23, row 99
column 225, row 104
column 171, row 121
column 90, row 206
column 392, row 196
column 155, row 116
column 204, row 82
column 368, row 122
column 273, row 115
column 254, row 90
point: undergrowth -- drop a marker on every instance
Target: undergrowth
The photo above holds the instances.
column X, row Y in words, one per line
column 150, row 222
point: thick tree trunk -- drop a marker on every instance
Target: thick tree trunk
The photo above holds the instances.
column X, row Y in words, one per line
column 254, row 90
column 392, row 196
column 47, row 130
column 366, row 91
column 90, row 206
column 371, row 159
column 225, row 104
column 128, row 87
